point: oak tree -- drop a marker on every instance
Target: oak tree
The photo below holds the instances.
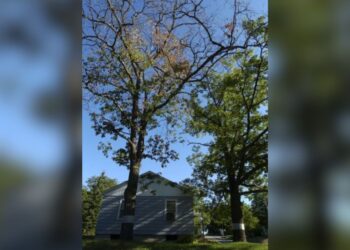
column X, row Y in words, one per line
column 231, row 106
column 138, row 57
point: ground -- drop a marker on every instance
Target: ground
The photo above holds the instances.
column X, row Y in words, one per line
column 116, row 245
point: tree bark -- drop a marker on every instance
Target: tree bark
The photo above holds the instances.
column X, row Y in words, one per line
column 238, row 229
column 127, row 227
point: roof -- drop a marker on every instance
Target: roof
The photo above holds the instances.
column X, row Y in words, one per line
column 146, row 175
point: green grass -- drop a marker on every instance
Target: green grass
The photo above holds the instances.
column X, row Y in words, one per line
column 109, row 245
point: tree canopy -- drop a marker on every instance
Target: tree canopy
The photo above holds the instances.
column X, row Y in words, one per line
column 140, row 57
column 231, row 106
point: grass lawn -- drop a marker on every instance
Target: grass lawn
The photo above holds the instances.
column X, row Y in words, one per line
column 108, row 244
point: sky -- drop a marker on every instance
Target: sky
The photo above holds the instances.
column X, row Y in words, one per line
column 94, row 162
column 31, row 65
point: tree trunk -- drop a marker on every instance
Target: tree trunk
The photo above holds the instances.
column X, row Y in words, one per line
column 238, row 229
column 135, row 156
column 127, row 227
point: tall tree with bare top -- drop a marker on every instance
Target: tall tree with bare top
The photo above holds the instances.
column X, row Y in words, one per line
column 139, row 57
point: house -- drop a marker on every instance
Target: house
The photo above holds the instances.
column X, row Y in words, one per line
column 163, row 210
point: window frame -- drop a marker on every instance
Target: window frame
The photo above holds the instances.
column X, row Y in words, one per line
column 166, row 210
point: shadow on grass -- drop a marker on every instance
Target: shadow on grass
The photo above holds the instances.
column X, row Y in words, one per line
column 116, row 245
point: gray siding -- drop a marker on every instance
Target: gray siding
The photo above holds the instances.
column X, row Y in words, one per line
column 108, row 222
column 149, row 216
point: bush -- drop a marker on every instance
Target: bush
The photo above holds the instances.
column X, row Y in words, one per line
column 185, row 239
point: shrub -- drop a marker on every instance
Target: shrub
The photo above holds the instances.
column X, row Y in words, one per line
column 185, row 239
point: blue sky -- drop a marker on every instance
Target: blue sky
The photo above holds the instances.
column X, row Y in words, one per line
column 27, row 72
column 94, row 162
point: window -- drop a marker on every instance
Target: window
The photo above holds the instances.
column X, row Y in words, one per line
column 170, row 210
column 121, row 209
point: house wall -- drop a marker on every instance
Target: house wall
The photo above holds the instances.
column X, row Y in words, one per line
column 149, row 216
column 107, row 222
